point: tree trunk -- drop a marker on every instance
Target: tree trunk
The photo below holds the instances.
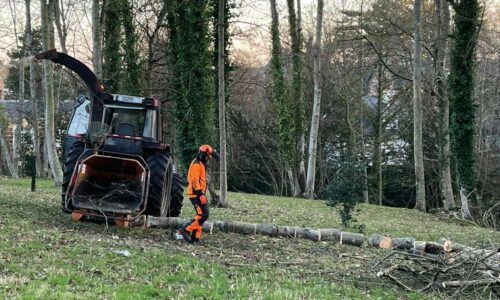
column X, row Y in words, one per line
column 281, row 103
column 222, row 109
column 461, row 95
column 442, row 29
column 377, row 156
column 313, row 135
column 60, row 21
column 417, row 115
column 362, row 117
column 6, row 156
column 16, row 145
column 297, row 99
column 34, row 100
column 50, row 140
column 97, row 15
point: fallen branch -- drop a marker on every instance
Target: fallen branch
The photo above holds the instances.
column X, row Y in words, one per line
column 463, row 283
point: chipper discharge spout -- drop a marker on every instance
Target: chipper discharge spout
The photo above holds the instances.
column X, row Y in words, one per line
column 110, row 185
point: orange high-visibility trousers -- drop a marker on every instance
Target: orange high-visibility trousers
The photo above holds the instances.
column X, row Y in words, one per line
column 196, row 225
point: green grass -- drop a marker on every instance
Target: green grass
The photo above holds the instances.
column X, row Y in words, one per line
column 44, row 255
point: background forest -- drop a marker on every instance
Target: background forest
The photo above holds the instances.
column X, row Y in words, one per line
column 391, row 127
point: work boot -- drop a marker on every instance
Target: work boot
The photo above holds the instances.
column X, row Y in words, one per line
column 186, row 235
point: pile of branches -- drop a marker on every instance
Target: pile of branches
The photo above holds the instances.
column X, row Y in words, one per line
column 457, row 271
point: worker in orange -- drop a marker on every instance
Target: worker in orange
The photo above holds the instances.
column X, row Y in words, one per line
column 197, row 186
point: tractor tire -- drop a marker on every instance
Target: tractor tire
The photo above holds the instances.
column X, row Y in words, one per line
column 160, row 178
column 72, row 156
column 176, row 196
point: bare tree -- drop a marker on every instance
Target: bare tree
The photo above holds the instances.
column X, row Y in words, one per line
column 222, row 109
column 60, row 19
column 34, row 100
column 48, row 87
column 18, row 118
column 442, row 25
column 417, row 114
column 313, row 135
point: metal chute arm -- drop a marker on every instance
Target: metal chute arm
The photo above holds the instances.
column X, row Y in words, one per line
column 85, row 74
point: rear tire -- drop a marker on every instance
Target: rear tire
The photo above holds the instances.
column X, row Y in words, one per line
column 160, row 177
column 176, row 196
column 165, row 188
column 74, row 153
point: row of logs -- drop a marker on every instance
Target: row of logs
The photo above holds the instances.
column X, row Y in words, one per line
column 328, row 234
column 431, row 249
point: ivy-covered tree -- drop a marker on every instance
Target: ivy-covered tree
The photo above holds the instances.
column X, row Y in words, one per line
column 279, row 96
column 461, row 94
column 192, row 81
column 111, row 67
column 121, row 68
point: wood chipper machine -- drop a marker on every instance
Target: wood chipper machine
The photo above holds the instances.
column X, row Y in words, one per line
column 116, row 164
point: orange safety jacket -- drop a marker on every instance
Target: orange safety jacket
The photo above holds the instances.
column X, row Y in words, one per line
column 197, row 178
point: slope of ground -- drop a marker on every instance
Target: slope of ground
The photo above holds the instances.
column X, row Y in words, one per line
column 44, row 255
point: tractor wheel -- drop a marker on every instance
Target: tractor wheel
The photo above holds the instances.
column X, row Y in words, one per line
column 75, row 151
column 176, row 196
column 160, row 178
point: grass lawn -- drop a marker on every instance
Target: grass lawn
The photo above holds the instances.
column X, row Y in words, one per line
column 45, row 255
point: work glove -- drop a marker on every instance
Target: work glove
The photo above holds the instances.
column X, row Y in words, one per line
column 203, row 199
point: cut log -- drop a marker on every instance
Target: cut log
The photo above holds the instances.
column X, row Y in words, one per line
column 173, row 223
column 329, row 234
column 428, row 247
column 380, row 241
column 446, row 244
column 287, row 231
column 308, row 233
column 403, row 243
column 241, row 227
column 350, row 238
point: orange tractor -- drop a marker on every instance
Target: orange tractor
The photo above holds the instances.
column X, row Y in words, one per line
column 116, row 164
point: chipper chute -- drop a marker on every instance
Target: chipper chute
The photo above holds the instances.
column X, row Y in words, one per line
column 110, row 185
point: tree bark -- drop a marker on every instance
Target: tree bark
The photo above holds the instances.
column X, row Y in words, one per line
column 97, row 22
column 442, row 12
column 297, row 97
column 60, row 21
column 222, row 109
column 313, row 135
column 462, row 102
column 417, row 115
column 362, row 117
column 34, row 100
column 50, row 140
column 6, row 156
column 377, row 157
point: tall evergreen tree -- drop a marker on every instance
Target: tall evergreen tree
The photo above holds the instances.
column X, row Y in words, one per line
column 131, row 83
column 279, row 95
column 461, row 93
column 193, row 82
column 111, row 50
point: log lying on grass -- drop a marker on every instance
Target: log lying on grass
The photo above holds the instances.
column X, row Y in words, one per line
column 385, row 242
column 328, row 234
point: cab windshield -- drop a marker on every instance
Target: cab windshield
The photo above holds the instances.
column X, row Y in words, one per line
column 132, row 121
